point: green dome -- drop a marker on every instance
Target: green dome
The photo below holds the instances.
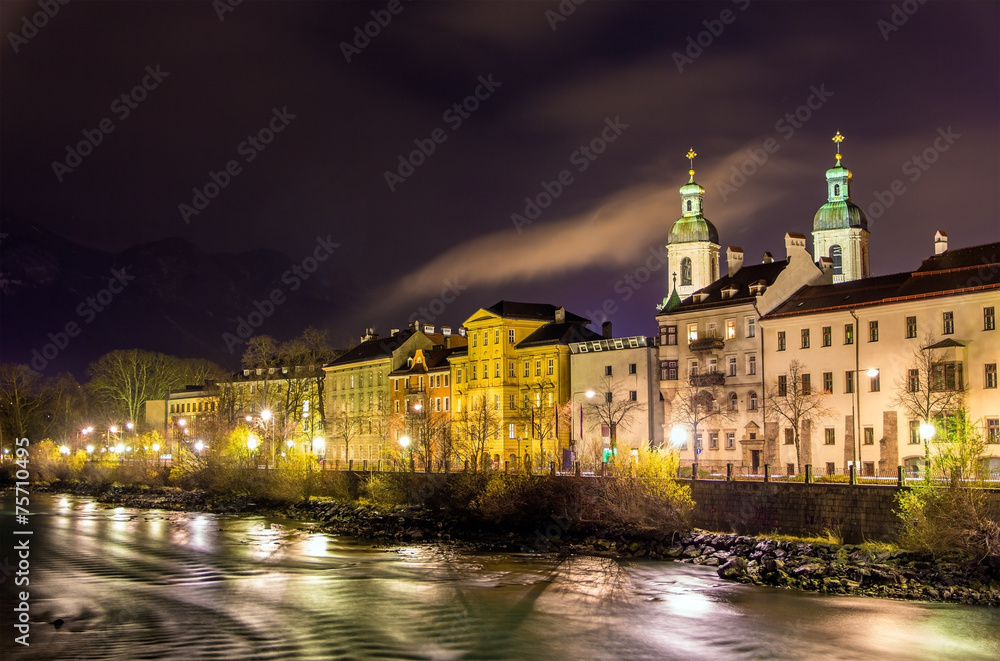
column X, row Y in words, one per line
column 692, row 188
column 690, row 229
column 839, row 215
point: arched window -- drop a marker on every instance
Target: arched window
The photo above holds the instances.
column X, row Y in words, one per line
column 837, row 258
column 752, row 401
column 836, row 189
column 689, row 205
column 686, row 271
column 734, row 402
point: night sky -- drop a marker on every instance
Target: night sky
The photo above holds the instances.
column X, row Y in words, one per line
column 625, row 78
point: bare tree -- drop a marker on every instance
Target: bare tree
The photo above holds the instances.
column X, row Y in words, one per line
column 476, row 426
column 123, row 380
column 697, row 401
column 23, row 402
column 930, row 389
column 348, row 425
column 539, row 415
column 614, row 408
column 794, row 400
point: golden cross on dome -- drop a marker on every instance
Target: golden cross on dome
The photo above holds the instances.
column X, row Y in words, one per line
column 691, row 154
column 838, row 139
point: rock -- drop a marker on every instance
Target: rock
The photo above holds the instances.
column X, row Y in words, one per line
column 734, row 569
column 807, row 570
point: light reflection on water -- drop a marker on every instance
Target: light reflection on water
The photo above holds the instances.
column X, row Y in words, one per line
column 136, row 584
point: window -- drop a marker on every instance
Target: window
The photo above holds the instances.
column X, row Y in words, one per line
column 458, row 376
column 781, row 340
column 496, row 336
column 914, row 432
column 732, row 365
column 806, row 384
column 713, row 440
column 607, row 370
column 472, row 377
column 496, row 370
column 827, row 335
column 829, row 436
column 989, row 318
column 751, row 364
column 689, row 205
column 713, row 365
column 789, row 436
column 631, row 368
column 790, row 469
column 730, row 440
column 949, row 323
column 510, row 369
column 782, row 385
column 730, row 329
column 946, row 376
column 993, row 430
column 805, row 338
column 693, row 368
column 538, row 368
column 486, row 338
column 527, row 369
column 668, row 370
column 831, row 468
column 837, row 257
column 991, row 376
column 848, row 333
column 873, row 331
column 868, row 469
column 686, row 271
column 633, row 395
column 751, row 327
column 875, row 383
column 549, row 368
column 396, row 403
column 869, row 436
column 496, row 402
column 752, row 401
column 913, row 380
column 671, row 335
column 692, row 332
column 828, row 383
column 511, row 402
column 510, row 336
column 446, row 377
column 510, row 430
column 475, row 341
column 849, row 381
column 911, row 327
column 608, row 397
column 734, row 402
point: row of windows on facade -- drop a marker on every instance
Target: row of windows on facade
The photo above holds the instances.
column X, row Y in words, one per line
column 944, row 376
column 511, row 370
column 669, row 369
column 474, row 337
column 192, row 407
column 668, row 334
column 947, row 328
column 259, row 371
column 434, row 381
column 991, row 428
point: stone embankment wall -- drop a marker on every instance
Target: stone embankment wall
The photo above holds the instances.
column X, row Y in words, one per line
column 858, row 513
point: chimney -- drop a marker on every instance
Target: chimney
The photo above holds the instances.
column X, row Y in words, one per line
column 461, row 331
column 767, row 259
column 560, row 315
column 606, row 330
column 415, row 325
column 940, row 242
column 428, row 329
column 734, row 259
column 794, row 244
column 394, row 331
column 446, row 331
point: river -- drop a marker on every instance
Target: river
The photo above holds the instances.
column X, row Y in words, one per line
column 150, row 584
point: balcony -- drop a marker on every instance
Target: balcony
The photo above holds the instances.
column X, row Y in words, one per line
column 415, row 390
column 707, row 343
column 708, row 380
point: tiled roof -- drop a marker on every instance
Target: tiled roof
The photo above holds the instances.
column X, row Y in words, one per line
column 537, row 311
column 952, row 272
column 381, row 347
column 564, row 333
column 434, row 359
column 745, row 277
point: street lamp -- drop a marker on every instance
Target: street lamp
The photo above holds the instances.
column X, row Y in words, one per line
column 678, row 436
column 252, row 442
column 404, row 442
column 266, row 415
column 589, row 395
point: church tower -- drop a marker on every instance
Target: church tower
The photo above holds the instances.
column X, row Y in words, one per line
column 693, row 245
column 840, row 228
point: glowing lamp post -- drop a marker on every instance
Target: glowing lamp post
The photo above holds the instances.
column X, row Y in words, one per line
column 927, row 431
column 871, row 373
column 678, row 436
column 404, row 442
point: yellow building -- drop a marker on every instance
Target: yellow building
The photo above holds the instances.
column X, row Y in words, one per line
column 511, row 384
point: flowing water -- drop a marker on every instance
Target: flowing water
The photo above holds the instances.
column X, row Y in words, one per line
column 148, row 584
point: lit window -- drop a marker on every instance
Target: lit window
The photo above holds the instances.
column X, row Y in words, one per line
column 550, row 368
column 848, row 333
column 730, row 329
column 692, row 332
column 828, row 382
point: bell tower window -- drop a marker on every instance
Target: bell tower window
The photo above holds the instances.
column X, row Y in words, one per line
column 689, row 205
column 686, row 271
column 836, row 189
column 837, row 259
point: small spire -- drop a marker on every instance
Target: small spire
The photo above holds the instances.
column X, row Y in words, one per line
column 838, row 139
column 690, row 155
